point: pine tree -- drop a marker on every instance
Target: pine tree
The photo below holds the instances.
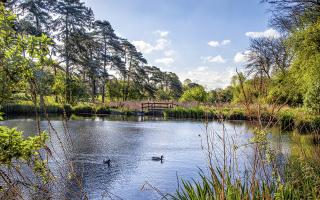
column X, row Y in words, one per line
column 73, row 16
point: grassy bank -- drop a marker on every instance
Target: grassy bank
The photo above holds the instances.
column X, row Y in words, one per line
column 269, row 174
column 288, row 119
column 80, row 109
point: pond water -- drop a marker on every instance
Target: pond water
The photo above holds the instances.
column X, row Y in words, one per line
column 130, row 144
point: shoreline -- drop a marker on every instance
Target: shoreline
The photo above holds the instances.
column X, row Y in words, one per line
column 288, row 119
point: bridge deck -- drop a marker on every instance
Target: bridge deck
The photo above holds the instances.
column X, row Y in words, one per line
column 157, row 106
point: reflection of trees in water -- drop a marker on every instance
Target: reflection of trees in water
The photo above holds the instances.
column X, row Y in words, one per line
column 95, row 141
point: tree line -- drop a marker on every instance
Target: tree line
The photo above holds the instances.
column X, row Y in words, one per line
column 283, row 69
column 84, row 60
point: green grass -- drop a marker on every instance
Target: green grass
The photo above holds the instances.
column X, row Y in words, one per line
column 83, row 109
column 288, row 119
column 297, row 178
column 179, row 112
column 103, row 110
column 224, row 186
column 31, row 109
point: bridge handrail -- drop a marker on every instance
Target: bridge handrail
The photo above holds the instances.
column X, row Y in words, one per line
column 157, row 105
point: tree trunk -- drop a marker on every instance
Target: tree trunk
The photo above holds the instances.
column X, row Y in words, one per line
column 68, row 92
column 93, row 90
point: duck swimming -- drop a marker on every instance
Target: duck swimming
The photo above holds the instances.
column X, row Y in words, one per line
column 108, row 162
column 158, row 158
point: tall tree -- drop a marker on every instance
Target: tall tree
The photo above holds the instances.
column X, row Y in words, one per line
column 87, row 57
column 72, row 16
column 287, row 15
column 110, row 49
column 34, row 15
column 134, row 61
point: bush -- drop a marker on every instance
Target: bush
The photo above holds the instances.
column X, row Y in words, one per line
column 53, row 109
column 18, row 109
column 316, row 124
column 67, row 108
column 236, row 114
column 103, row 111
column 27, row 108
column 304, row 124
column 83, row 109
column 286, row 120
column 197, row 94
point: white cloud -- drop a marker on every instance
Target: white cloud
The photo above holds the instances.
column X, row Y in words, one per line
column 225, row 42
column 169, row 53
column 162, row 33
column 241, row 57
column 161, row 44
column 143, row 46
column 213, row 43
column 166, row 61
column 270, row 33
column 217, row 43
column 209, row 77
column 201, row 68
column 213, row 59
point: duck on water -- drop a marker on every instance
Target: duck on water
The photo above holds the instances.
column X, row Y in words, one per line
column 158, row 158
column 108, row 162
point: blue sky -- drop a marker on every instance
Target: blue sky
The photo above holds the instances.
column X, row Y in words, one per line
column 204, row 40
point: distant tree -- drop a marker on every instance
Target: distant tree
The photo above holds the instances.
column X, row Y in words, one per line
column 174, row 85
column 287, row 15
column 197, row 94
column 187, row 82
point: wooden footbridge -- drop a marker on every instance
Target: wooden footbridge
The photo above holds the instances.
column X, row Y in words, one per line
column 157, row 106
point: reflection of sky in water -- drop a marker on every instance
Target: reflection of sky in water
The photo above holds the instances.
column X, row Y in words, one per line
column 131, row 144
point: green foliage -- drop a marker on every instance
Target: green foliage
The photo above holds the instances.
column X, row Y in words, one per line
column 103, row 110
column 236, row 114
column 180, row 112
column 13, row 146
column 83, row 109
column 284, row 90
column 197, row 94
column 286, row 120
column 223, row 182
column 29, row 108
column 305, row 45
column 221, row 95
column 312, row 98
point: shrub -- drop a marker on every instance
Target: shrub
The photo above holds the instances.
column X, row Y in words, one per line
column 103, row 111
column 197, row 94
column 236, row 114
column 53, row 109
column 304, row 124
column 286, row 120
column 67, row 108
column 18, row 109
column 83, row 109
